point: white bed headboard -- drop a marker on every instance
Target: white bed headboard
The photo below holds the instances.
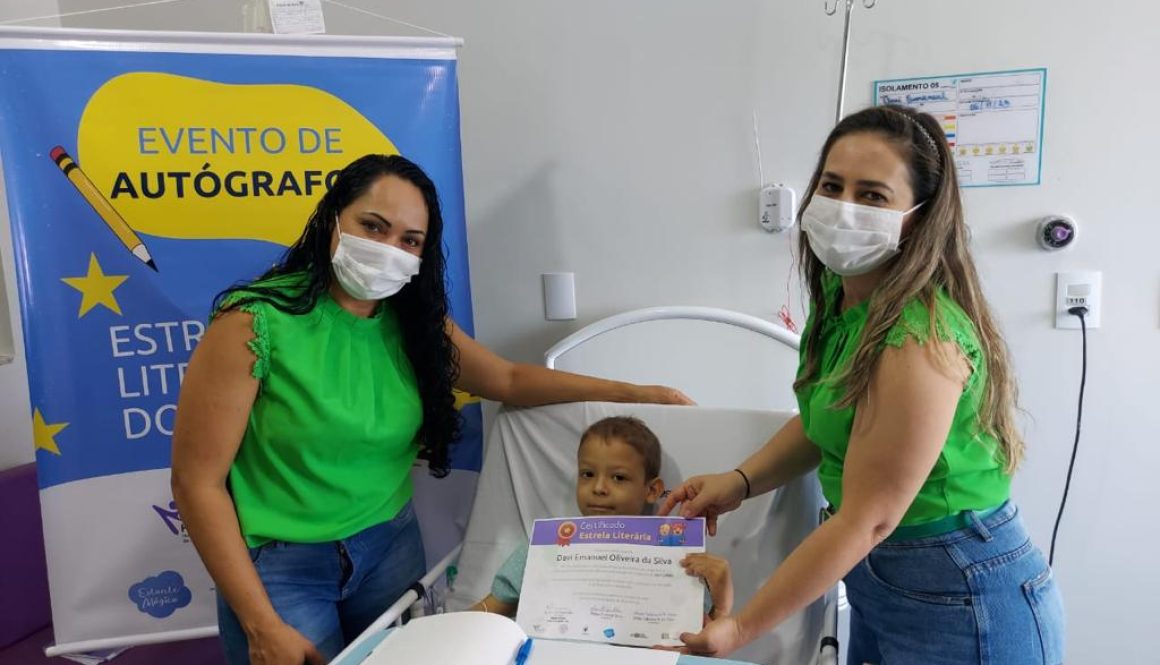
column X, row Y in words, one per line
column 720, row 358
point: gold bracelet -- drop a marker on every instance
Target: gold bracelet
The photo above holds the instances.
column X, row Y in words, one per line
column 483, row 604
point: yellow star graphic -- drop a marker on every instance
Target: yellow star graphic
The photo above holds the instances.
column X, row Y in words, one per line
column 96, row 288
column 43, row 433
column 462, row 399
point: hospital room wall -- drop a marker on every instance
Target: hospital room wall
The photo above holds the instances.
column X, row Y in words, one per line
column 613, row 140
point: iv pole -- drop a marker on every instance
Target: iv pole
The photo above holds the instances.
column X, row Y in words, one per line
column 830, row 11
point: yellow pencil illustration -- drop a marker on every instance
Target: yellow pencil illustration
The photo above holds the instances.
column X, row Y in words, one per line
column 113, row 219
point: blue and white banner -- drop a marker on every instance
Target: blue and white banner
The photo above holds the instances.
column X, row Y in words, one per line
column 145, row 172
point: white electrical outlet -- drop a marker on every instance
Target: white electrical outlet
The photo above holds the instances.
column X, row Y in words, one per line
column 1078, row 289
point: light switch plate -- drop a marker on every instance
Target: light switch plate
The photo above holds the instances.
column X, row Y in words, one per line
column 559, row 296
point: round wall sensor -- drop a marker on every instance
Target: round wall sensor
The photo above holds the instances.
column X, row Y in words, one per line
column 1055, row 232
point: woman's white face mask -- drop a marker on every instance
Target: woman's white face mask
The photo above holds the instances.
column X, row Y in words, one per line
column 369, row 270
column 852, row 239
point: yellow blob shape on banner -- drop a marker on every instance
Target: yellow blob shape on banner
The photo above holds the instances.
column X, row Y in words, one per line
column 179, row 157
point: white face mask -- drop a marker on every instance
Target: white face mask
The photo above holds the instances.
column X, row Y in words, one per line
column 370, row 270
column 852, row 239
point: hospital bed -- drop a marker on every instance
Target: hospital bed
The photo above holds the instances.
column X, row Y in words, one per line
column 529, row 465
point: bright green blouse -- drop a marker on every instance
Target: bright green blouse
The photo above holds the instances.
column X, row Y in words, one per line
column 331, row 437
column 969, row 473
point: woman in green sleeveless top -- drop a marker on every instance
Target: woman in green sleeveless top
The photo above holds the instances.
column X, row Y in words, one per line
column 306, row 404
column 907, row 407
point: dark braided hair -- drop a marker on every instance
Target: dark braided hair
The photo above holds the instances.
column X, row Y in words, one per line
column 421, row 304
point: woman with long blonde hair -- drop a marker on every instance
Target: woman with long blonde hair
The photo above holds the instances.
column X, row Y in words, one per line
column 907, row 403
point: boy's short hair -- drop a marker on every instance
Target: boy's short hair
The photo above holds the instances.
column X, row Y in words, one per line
column 633, row 432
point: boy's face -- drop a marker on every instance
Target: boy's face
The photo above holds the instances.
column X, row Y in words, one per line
column 612, row 480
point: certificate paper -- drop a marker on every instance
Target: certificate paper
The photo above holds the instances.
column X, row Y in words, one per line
column 612, row 579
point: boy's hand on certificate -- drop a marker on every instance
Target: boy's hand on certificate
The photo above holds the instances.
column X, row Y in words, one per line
column 715, row 572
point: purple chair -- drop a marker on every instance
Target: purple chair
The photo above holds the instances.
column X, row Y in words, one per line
column 25, row 617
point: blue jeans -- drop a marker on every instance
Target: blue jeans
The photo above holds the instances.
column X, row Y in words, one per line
column 330, row 592
column 983, row 594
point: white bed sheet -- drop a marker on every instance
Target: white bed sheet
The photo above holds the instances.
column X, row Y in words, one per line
column 529, row 472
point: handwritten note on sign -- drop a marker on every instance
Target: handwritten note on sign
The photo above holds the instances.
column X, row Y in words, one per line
column 297, row 17
column 993, row 121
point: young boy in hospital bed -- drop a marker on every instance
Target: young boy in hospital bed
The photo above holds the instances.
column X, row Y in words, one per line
column 619, row 466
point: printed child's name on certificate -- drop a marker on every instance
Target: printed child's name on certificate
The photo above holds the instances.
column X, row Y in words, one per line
column 612, row 579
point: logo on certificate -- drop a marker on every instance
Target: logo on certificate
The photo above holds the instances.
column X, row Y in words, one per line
column 564, row 534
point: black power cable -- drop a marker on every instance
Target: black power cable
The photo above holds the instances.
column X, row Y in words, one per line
column 1080, row 312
